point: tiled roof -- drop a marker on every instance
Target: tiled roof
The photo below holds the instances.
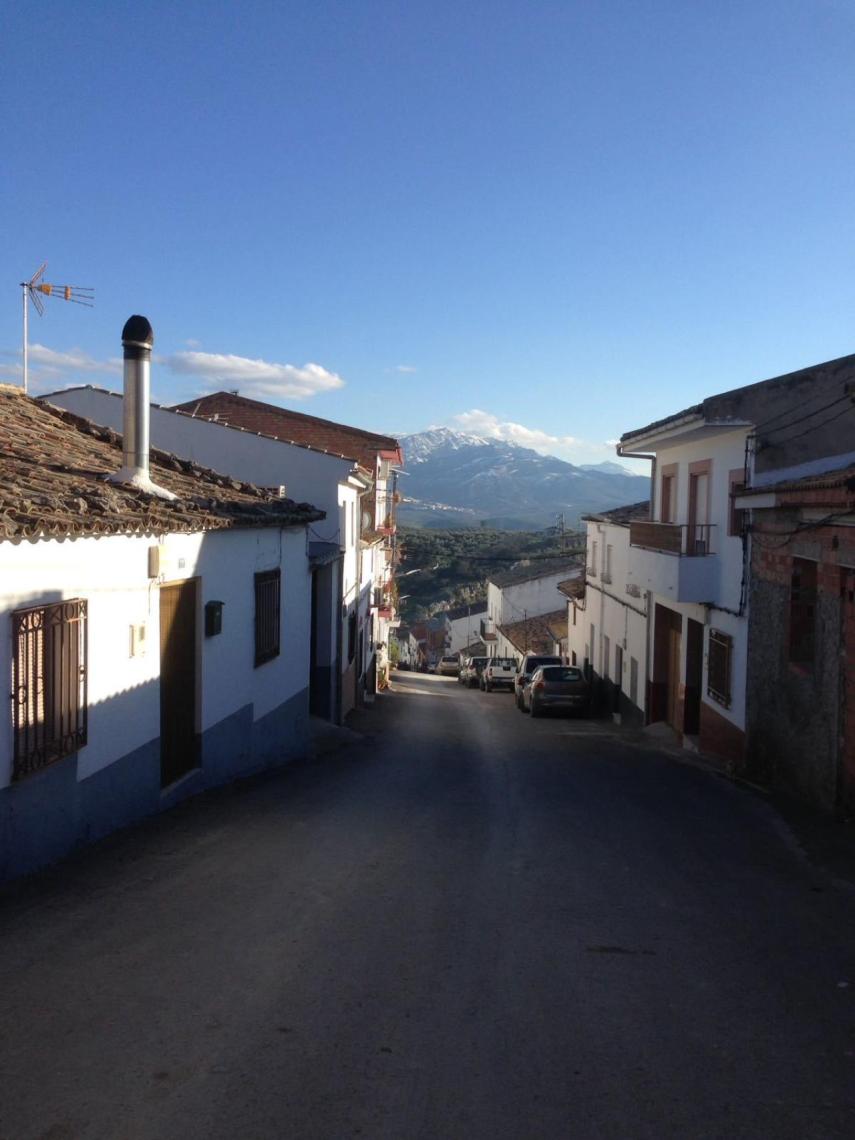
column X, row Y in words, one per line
column 536, row 568
column 293, row 427
column 53, row 469
column 50, row 397
column 621, row 516
column 573, row 587
column 842, row 479
column 537, row 634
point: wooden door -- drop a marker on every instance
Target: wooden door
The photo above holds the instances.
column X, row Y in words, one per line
column 675, row 645
column 179, row 747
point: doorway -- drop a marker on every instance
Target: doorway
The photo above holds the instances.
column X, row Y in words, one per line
column 179, row 741
column 667, row 651
column 694, row 677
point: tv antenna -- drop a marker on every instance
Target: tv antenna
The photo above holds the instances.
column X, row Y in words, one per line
column 36, row 289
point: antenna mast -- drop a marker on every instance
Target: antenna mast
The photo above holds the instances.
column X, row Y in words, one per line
column 35, row 289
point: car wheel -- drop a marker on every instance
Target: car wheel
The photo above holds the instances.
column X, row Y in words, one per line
column 488, row 688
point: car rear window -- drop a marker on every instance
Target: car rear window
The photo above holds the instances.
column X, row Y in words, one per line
column 562, row 673
column 503, row 661
column 535, row 663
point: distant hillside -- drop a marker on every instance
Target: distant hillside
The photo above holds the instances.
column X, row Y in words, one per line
column 457, row 480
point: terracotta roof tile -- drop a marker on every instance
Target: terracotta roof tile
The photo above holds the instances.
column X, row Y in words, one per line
column 296, row 427
column 537, row 634
column 53, row 471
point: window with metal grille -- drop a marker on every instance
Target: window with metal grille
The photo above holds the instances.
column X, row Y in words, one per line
column 718, row 667
column 267, row 587
column 48, row 684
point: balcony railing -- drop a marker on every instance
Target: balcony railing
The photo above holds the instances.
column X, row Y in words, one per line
column 683, row 539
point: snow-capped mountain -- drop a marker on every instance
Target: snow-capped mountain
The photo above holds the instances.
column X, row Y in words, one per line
column 455, row 477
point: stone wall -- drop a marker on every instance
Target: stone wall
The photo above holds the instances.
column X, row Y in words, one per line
column 799, row 737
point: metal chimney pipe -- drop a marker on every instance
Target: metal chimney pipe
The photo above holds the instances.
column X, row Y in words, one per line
column 137, row 342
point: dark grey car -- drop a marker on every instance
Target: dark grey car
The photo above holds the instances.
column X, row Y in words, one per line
column 557, row 688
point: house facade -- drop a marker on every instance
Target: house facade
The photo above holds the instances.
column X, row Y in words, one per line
column 695, row 556
column 607, row 616
column 345, row 552
column 521, row 594
column 801, row 644
column 368, row 612
column 155, row 646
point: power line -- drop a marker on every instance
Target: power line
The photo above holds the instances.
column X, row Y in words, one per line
column 800, row 418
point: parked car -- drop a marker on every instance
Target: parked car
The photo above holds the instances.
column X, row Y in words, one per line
column 474, row 669
column 499, row 673
column 448, row 666
column 530, row 662
column 557, row 688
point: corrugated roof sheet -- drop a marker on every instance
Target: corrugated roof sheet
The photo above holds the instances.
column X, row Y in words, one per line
column 53, row 472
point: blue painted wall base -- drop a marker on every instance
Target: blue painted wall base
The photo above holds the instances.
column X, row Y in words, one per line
column 47, row 815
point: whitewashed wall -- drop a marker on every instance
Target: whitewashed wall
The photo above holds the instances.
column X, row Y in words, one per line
column 726, row 450
column 612, row 612
column 112, row 574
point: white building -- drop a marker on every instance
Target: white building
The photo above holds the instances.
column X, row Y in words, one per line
column 526, row 591
column 693, row 556
column 155, row 647
column 465, row 625
column 607, row 615
column 343, row 563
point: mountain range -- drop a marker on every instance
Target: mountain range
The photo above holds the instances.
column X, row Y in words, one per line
column 456, row 479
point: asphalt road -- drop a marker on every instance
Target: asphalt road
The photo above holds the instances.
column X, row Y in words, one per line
column 470, row 924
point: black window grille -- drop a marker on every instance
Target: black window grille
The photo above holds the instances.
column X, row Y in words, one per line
column 48, row 684
column 267, row 594
column 719, row 667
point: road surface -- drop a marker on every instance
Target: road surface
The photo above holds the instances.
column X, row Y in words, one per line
column 468, row 924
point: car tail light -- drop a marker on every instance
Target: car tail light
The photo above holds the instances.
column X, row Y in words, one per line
column 540, row 685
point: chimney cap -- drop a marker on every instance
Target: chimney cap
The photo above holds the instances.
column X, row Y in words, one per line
column 138, row 330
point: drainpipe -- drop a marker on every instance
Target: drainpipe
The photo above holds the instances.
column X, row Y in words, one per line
column 137, row 342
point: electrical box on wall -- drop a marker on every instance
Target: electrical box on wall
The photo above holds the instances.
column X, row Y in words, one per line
column 213, row 618
column 153, row 561
column 136, row 645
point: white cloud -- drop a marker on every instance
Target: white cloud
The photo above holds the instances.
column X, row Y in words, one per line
column 406, row 368
column 254, row 377
column 47, row 361
column 191, row 342
column 567, row 447
column 47, row 368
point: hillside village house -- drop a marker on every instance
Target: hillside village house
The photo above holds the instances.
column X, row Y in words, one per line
column 607, row 615
column 371, row 613
column 465, row 625
column 720, row 669
column 526, row 612
column 333, row 466
column 155, row 645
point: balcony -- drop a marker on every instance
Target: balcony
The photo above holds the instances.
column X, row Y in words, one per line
column 674, row 560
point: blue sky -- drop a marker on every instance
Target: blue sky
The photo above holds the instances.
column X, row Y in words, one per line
column 552, row 222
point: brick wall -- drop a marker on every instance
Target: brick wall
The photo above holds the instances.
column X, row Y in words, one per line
column 801, row 717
